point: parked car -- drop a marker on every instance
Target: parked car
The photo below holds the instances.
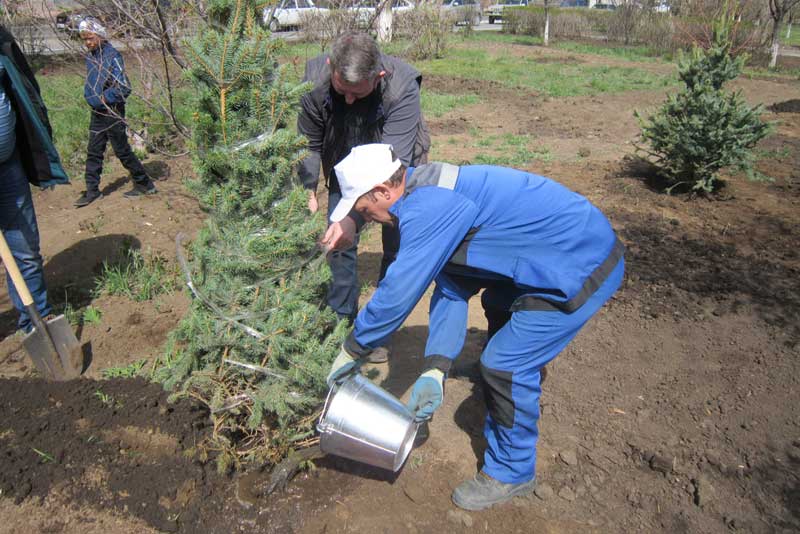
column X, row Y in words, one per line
column 662, row 7
column 574, row 3
column 496, row 10
column 365, row 9
column 606, row 7
column 69, row 22
column 464, row 11
column 288, row 14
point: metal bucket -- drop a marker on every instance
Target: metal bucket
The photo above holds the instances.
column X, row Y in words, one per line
column 365, row 423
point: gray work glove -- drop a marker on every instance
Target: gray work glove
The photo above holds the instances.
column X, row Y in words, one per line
column 427, row 395
column 343, row 365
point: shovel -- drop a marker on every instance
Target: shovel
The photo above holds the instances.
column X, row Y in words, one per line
column 51, row 345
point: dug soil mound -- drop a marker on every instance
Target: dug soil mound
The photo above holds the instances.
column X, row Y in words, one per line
column 789, row 106
column 118, row 446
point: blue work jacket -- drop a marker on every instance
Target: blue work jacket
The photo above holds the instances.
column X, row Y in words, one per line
column 105, row 77
column 470, row 227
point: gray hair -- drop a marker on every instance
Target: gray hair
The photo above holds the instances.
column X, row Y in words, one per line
column 355, row 56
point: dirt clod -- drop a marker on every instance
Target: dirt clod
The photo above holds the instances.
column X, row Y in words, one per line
column 544, row 491
column 704, row 492
column 460, row 517
column 662, row 463
column 569, row 457
column 567, row 494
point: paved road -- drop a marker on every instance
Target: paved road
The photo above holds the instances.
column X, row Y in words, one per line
column 791, row 51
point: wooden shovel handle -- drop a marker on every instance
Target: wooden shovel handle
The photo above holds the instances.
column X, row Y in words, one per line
column 13, row 270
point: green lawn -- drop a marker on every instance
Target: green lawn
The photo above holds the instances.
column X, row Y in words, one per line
column 630, row 53
column 437, row 104
column 552, row 78
column 794, row 38
column 69, row 117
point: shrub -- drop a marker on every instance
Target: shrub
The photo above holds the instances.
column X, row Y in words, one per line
column 323, row 27
column 701, row 129
column 564, row 23
column 427, row 29
column 623, row 24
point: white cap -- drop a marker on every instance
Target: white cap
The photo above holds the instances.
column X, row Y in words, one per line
column 365, row 167
column 91, row 25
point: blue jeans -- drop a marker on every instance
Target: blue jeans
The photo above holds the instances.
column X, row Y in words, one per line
column 344, row 289
column 18, row 222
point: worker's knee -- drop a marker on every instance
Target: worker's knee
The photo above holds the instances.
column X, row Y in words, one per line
column 498, row 395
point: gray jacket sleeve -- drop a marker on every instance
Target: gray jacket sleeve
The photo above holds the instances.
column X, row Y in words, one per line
column 310, row 124
column 400, row 128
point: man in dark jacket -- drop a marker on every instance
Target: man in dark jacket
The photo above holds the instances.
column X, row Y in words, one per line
column 359, row 96
column 105, row 90
column 27, row 156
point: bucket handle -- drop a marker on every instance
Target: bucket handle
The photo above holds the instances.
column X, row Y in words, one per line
column 322, row 428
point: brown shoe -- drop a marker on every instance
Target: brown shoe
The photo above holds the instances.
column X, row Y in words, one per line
column 379, row 355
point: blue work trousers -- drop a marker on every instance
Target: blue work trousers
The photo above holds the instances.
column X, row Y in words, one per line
column 18, row 221
column 344, row 289
column 510, row 368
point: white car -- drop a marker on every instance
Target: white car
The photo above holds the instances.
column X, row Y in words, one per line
column 463, row 11
column 288, row 14
column 662, row 7
column 495, row 11
column 366, row 9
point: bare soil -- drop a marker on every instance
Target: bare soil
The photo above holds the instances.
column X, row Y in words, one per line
column 674, row 410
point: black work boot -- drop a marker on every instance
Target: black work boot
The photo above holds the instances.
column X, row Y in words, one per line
column 482, row 491
column 87, row 198
column 139, row 190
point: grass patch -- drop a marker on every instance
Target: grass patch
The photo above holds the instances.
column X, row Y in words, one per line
column 69, row 117
column 794, row 38
column 92, row 315
column 127, row 371
column 138, row 277
column 43, row 455
column 553, row 79
column 107, row 400
column 510, row 150
column 630, row 53
column 764, row 73
column 438, row 104
column 505, row 38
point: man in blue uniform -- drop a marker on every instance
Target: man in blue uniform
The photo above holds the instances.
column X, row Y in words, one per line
column 544, row 256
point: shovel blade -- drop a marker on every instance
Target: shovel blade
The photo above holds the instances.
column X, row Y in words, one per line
column 65, row 362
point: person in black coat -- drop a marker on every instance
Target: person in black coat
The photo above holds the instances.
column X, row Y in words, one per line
column 27, row 156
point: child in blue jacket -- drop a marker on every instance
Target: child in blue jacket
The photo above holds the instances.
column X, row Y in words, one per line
column 105, row 91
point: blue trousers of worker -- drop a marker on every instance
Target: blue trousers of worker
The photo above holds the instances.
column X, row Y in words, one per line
column 18, row 222
column 510, row 368
column 343, row 290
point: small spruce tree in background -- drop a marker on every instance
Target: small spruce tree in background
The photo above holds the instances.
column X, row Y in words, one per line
column 257, row 341
column 703, row 129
